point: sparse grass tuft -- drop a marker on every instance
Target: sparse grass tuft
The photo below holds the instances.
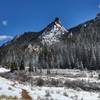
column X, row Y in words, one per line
column 40, row 98
column 47, row 93
column 3, row 97
column 58, row 91
column 65, row 94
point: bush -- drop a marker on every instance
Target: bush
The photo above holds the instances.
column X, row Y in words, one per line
column 82, row 85
column 99, row 76
column 22, row 76
column 65, row 94
column 40, row 82
column 54, row 82
column 47, row 94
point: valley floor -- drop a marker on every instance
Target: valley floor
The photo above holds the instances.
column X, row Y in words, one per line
column 71, row 88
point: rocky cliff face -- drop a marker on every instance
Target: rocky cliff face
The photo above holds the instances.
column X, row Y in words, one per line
column 56, row 47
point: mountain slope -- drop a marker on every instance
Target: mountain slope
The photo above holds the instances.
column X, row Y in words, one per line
column 25, row 45
column 56, row 47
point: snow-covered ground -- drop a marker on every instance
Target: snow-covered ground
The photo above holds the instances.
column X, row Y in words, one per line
column 2, row 70
column 10, row 88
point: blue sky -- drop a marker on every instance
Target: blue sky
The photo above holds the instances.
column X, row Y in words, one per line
column 19, row 16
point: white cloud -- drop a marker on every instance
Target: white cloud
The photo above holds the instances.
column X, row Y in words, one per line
column 99, row 6
column 5, row 37
column 4, row 22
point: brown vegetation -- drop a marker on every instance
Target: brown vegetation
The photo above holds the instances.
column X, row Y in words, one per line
column 25, row 95
column 3, row 97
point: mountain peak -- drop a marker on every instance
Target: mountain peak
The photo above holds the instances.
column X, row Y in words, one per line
column 53, row 32
column 57, row 20
column 57, row 23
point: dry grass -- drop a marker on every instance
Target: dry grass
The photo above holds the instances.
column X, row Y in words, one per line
column 82, row 84
column 40, row 98
column 25, row 95
column 3, row 97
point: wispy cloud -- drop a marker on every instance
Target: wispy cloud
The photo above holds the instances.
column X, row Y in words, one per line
column 5, row 37
column 4, row 23
column 99, row 6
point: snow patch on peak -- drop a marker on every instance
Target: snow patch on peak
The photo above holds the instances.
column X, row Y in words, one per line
column 3, row 70
column 53, row 32
column 57, row 25
column 52, row 36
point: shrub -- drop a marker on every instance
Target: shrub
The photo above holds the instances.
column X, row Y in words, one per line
column 54, row 82
column 47, row 94
column 40, row 82
column 99, row 76
column 65, row 94
column 82, row 85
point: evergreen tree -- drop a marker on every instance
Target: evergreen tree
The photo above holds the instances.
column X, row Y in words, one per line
column 30, row 67
column 13, row 66
column 22, row 67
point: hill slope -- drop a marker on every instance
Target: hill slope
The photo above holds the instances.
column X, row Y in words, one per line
column 56, row 47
